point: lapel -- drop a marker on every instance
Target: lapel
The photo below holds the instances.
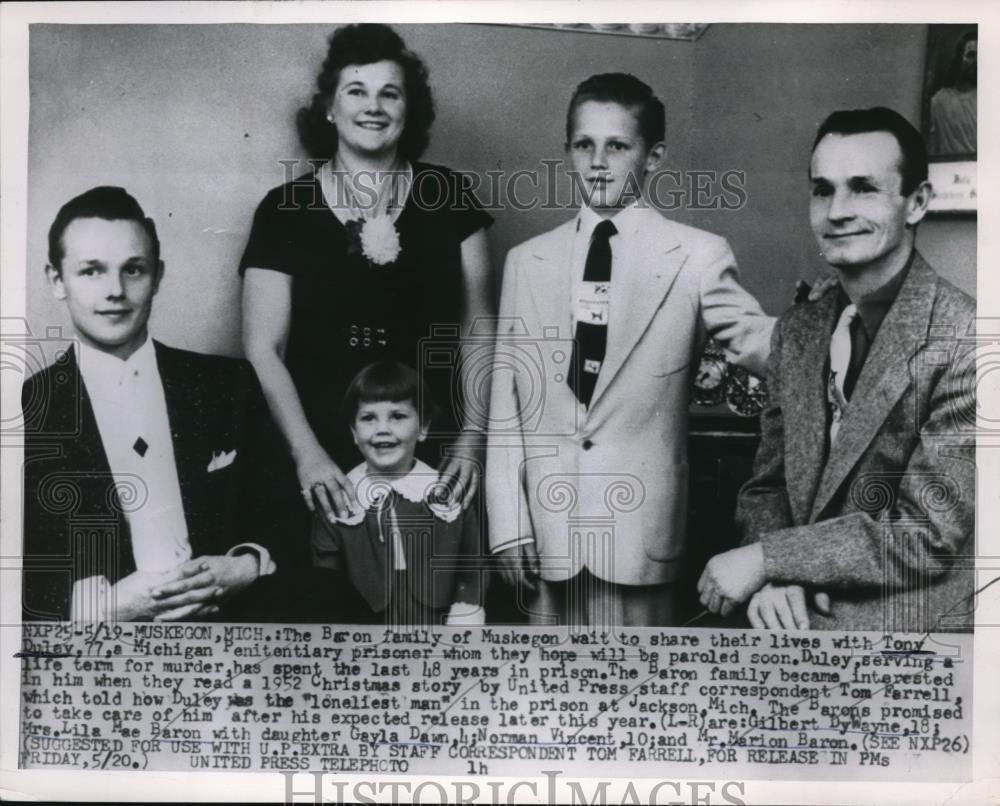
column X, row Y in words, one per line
column 804, row 404
column 88, row 449
column 184, row 405
column 643, row 277
column 548, row 276
column 86, row 459
column 884, row 377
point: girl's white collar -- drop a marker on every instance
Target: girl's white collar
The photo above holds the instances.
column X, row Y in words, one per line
column 417, row 486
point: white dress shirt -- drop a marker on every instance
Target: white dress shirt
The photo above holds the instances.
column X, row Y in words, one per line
column 129, row 405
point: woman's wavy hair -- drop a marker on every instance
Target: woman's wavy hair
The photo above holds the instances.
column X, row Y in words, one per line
column 368, row 43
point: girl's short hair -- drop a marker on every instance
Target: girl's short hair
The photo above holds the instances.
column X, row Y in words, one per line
column 387, row 380
column 368, row 43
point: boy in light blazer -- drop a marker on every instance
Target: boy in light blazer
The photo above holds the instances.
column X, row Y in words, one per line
column 602, row 321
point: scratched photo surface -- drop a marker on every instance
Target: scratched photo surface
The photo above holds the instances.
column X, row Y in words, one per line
column 576, row 403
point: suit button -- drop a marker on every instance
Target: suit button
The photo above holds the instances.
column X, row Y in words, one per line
column 587, row 444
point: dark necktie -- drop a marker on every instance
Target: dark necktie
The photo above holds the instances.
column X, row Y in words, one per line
column 859, row 352
column 592, row 336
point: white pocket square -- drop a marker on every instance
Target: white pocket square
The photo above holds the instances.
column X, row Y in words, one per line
column 221, row 459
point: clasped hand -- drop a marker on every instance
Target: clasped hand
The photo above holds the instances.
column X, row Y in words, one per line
column 730, row 578
column 192, row 589
column 733, row 577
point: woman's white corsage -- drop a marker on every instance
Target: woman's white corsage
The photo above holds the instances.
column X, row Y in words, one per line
column 379, row 240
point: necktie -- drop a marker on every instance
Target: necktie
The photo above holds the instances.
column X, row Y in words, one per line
column 592, row 336
column 859, row 352
column 840, row 361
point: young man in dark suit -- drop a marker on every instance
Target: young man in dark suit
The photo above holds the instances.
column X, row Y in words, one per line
column 144, row 488
column 861, row 511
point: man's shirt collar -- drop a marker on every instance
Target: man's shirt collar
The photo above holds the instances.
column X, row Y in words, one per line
column 101, row 370
column 873, row 307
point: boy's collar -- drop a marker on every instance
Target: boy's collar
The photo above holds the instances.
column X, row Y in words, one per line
column 588, row 219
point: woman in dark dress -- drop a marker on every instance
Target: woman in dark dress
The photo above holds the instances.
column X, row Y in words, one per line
column 371, row 256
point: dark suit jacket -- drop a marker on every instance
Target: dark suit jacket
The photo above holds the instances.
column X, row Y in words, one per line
column 74, row 521
column 884, row 523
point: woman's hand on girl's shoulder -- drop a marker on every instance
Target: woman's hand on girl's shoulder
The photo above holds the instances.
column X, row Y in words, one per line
column 462, row 470
column 325, row 487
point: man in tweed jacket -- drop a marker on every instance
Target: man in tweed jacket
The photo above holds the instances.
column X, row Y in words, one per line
column 861, row 510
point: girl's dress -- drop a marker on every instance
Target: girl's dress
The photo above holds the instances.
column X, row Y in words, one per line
column 411, row 560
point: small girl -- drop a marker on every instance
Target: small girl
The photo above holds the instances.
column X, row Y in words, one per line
column 412, row 560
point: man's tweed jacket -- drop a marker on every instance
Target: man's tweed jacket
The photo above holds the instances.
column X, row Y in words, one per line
column 884, row 520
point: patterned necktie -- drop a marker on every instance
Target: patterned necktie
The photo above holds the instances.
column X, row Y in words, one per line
column 592, row 336
column 840, row 360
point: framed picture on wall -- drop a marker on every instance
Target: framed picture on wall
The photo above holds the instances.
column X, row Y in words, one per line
column 687, row 31
column 950, row 114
